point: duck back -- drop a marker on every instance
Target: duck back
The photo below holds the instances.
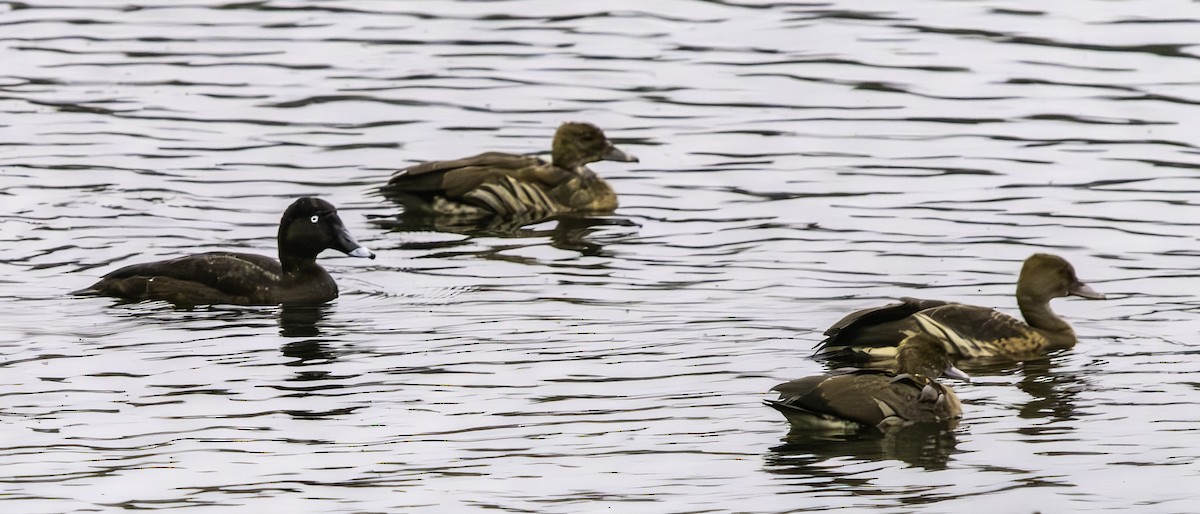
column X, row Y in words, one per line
column 873, row 333
column 205, row 278
column 865, row 398
column 308, row 226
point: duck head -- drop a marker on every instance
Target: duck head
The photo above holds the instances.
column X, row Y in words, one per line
column 577, row 144
column 311, row 225
column 923, row 356
column 1045, row 276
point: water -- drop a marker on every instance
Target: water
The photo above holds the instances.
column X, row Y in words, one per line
column 798, row 161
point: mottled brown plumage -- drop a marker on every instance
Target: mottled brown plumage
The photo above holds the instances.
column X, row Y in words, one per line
column 309, row 226
column 495, row 183
column 869, row 398
column 967, row 331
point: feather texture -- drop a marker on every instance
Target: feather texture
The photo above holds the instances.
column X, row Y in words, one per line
column 872, row 398
column 502, row 184
column 308, row 227
column 967, row 331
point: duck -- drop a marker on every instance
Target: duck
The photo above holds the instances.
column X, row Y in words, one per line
column 857, row 400
column 496, row 183
column 308, row 227
column 968, row 331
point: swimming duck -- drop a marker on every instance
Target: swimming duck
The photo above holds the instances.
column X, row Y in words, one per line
column 968, row 331
column 870, row 398
column 506, row 184
column 308, row 226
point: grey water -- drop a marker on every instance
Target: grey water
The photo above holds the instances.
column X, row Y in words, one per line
column 799, row 160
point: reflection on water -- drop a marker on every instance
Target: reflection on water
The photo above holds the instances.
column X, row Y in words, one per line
column 308, row 352
column 1053, row 391
column 301, row 320
column 571, row 232
column 923, row 445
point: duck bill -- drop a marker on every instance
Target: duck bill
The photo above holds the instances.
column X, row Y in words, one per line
column 361, row 251
column 1083, row 290
column 615, row 154
column 345, row 243
column 955, row 373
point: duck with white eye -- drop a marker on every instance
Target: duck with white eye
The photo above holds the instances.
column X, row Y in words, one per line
column 308, row 227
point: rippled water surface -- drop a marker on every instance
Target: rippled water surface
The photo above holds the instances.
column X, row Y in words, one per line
column 798, row 160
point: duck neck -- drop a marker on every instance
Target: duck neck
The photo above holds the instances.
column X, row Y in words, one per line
column 1037, row 314
column 568, row 163
column 588, row 176
column 293, row 265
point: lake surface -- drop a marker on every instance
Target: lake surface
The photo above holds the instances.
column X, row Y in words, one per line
column 799, row 160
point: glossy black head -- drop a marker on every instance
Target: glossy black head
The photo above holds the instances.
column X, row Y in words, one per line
column 576, row 144
column 311, row 225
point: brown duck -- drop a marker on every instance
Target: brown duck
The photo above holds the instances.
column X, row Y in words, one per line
column 496, row 183
column 968, row 331
column 870, row 398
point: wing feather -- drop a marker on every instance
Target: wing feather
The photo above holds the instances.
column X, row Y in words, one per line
column 237, row 274
column 970, row 332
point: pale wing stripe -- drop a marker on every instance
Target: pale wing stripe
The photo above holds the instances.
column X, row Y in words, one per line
column 488, row 196
column 959, row 344
column 511, row 197
column 513, row 189
column 551, row 205
column 544, row 200
column 523, row 193
column 512, row 203
column 536, row 198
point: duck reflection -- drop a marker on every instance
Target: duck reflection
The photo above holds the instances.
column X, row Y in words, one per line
column 308, row 351
column 924, row 445
column 304, row 321
column 301, row 320
column 1053, row 390
column 571, row 232
column 981, row 367
column 1054, row 394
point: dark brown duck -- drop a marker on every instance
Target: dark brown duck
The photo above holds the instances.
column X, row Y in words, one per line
column 968, row 331
column 308, row 227
column 496, row 183
column 870, row 398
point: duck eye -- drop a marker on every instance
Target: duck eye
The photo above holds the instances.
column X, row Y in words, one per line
column 315, row 218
